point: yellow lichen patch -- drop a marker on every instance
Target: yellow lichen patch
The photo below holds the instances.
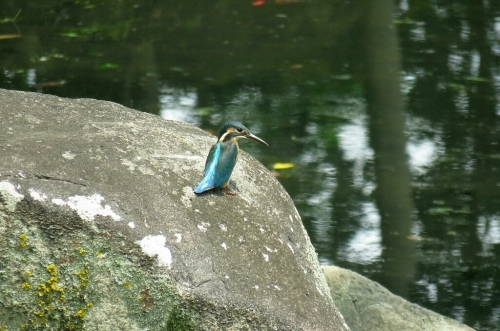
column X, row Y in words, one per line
column 52, row 283
column 82, row 251
column 127, row 284
column 41, row 290
column 83, row 275
column 25, row 286
column 54, row 310
column 23, row 240
column 81, row 313
column 52, row 269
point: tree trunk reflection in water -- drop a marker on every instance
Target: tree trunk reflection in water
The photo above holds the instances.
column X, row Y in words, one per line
column 485, row 178
column 386, row 124
column 141, row 80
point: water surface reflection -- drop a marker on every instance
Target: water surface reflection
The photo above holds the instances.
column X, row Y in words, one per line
column 314, row 80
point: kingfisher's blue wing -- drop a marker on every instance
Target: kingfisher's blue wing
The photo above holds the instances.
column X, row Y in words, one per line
column 227, row 161
column 208, row 181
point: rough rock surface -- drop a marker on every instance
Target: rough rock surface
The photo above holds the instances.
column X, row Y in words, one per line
column 366, row 305
column 100, row 228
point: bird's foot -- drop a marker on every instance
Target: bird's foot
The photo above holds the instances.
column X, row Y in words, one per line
column 228, row 191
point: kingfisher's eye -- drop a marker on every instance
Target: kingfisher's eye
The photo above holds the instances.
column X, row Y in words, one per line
column 240, row 130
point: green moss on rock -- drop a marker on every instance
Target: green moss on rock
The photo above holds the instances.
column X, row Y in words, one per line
column 179, row 320
column 59, row 284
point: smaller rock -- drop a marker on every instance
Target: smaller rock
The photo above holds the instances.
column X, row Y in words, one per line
column 366, row 305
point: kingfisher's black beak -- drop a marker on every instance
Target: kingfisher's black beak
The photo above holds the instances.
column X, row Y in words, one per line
column 255, row 138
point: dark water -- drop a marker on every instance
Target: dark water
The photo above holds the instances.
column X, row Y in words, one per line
column 385, row 117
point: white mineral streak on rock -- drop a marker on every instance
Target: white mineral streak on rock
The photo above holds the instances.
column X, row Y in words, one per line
column 10, row 196
column 88, row 207
column 155, row 246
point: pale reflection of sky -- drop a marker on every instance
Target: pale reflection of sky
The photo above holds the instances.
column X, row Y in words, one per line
column 494, row 317
column 455, row 62
column 495, row 37
column 423, row 150
column 496, row 27
column 31, row 77
column 441, row 11
column 9, row 73
column 353, row 140
column 416, row 228
column 365, row 246
column 422, row 153
column 418, row 32
column 322, row 201
column 246, row 99
column 489, row 229
column 403, row 5
column 496, row 81
column 432, row 293
column 178, row 105
column 312, row 155
column 459, row 313
column 465, row 30
column 475, row 62
column 408, row 80
column 462, row 101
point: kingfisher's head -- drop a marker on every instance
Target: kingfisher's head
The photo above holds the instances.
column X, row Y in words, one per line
column 232, row 131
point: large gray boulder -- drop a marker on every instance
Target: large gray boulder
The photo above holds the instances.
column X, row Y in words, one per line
column 101, row 230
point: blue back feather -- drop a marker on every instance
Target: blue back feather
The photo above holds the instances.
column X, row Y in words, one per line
column 219, row 166
column 208, row 181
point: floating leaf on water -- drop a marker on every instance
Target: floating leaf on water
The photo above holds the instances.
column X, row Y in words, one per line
column 58, row 56
column 282, row 166
column 178, row 69
column 342, row 77
column 405, row 20
column 476, row 79
column 70, row 34
column 54, row 83
column 258, row 2
column 108, row 65
column 440, row 210
column 447, row 211
column 456, row 86
column 10, row 20
column 418, row 238
column 10, row 36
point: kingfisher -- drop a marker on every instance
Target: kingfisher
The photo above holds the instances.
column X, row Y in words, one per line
column 222, row 157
